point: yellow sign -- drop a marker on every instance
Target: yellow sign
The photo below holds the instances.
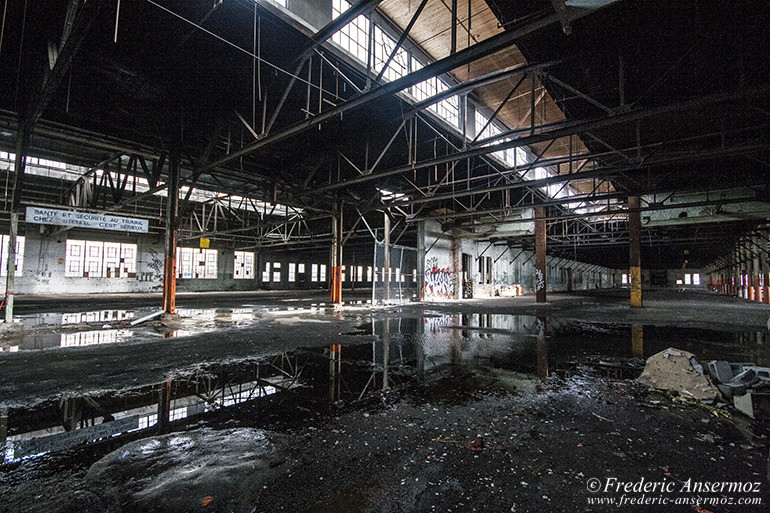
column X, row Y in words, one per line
column 205, row 243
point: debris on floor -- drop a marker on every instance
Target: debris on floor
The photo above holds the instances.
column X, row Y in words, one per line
column 746, row 385
column 672, row 370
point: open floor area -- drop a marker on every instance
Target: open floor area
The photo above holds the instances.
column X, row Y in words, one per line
column 280, row 402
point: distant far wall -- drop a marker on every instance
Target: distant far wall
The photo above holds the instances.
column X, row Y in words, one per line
column 458, row 268
column 689, row 278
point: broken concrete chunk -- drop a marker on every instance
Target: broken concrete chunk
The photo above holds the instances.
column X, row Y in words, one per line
column 721, row 370
column 747, row 377
column 729, row 390
column 754, row 404
column 672, row 370
column 763, row 373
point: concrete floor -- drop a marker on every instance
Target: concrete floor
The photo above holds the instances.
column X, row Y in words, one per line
column 549, row 418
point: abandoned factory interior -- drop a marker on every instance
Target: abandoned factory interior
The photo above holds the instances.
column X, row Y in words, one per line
column 384, row 255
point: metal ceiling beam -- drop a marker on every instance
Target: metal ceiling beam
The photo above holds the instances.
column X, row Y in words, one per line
column 475, row 52
column 568, row 129
column 601, row 172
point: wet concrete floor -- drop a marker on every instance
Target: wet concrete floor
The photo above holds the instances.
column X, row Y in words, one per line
column 292, row 405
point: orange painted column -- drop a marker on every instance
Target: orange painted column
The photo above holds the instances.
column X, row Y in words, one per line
column 766, row 289
column 172, row 221
column 335, row 284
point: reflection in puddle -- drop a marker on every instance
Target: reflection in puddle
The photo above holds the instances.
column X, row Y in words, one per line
column 405, row 348
column 87, row 338
column 59, row 425
column 98, row 316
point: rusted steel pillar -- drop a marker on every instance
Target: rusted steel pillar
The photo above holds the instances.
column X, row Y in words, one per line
column 634, row 251
column 540, row 276
column 172, row 223
column 336, row 256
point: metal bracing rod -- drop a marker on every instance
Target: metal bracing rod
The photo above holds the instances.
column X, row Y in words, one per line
column 497, row 111
column 285, row 94
column 338, row 71
column 399, row 43
column 507, row 249
column 580, row 94
column 387, row 147
column 486, row 47
column 374, row 236
column 569, row 129
column 485, row 250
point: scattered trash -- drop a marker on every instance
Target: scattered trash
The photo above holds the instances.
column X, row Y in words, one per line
column 206, row 501
column 672, row 370
column 477, row 445
column 753, row 404
column 745, row 384
column 146, row 318
column 600, row 417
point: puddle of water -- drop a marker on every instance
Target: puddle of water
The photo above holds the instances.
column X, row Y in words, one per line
column 404, row 348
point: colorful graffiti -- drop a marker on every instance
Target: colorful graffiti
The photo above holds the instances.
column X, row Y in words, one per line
column 439, row 282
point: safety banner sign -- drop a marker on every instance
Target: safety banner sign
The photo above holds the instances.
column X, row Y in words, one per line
column 39, row 215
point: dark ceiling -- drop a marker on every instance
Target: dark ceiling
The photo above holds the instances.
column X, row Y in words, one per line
column 164, row 75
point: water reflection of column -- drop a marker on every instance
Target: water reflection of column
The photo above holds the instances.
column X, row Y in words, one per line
column 419, row 348
column 385, row 353
column 164, row 407
column 335, row 372
column 3, row 432
column 637, row 341
column 455, row 339
column 542, row 348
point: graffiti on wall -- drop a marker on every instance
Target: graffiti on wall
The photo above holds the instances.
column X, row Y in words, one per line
column 439, row 282
column 156, row 265
column 539, row 280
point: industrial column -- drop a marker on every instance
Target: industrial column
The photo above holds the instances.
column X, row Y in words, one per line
column 336, row 256
column 635, row 257
column 386, row 256
column 421, row 258
column 757, row 271
column 172, row 215
column 540, row 254
column 765, row 276
column 19, row 166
